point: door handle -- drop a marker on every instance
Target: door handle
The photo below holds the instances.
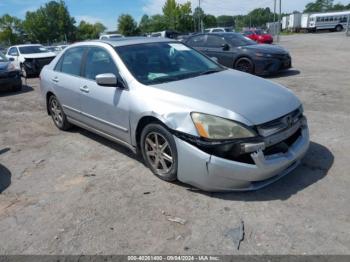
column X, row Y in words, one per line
column 84, row 89
column 55, row 79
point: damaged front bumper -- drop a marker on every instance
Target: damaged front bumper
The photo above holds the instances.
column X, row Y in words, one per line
column 213, row 173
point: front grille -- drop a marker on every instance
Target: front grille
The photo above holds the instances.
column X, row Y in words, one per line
column 41, row 62
column 280, row 124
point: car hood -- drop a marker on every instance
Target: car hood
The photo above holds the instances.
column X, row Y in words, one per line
column 4, row 65
column 254, row 98
column 39, row 55
column 271, row 49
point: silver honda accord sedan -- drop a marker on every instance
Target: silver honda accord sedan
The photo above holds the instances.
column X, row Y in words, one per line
column 191, row 119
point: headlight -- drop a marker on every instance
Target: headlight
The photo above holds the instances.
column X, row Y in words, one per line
column 214, row 127
column 263, row 55
column 11, row 67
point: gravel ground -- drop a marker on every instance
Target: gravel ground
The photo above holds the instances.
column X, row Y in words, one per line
column 77, row 193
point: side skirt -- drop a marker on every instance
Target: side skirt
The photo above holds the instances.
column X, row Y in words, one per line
column 103, row 134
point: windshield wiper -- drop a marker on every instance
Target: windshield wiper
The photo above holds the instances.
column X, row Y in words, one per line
column 211, row 71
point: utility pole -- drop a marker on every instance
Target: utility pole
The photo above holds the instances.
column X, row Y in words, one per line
column 279, row 22
column 347, row 27
column 200, row 18
column 274, row 17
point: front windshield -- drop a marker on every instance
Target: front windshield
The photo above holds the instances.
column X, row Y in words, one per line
column 239, row 40
column 2, row 58
column 32, row 49
column 154, row 63
column 259, row 32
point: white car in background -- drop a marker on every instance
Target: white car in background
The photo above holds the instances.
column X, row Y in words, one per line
column 219, row 30
column 30, row 59
column 111, row 36
column 56, row 49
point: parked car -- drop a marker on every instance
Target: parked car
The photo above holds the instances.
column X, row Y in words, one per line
column 56, row 49
column 259, row 36
column 238, row 52
column 192, row 119
column 167, row 34
column 110, row 36
column 10, row 77
column 218, row 30
column 30, row 59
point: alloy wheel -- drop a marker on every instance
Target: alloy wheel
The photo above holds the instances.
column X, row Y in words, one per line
column 158, row 153
column 56, row 112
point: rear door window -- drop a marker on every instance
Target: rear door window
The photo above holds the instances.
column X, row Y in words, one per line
column 71, row 61
column 197, row 41
column 214, row 41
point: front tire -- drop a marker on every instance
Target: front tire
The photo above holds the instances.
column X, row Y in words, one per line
column 58, row 116
column 159, row 151
column 245, row 65
column 24, row 71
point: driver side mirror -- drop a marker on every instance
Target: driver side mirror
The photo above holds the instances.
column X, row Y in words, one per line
column 110, row 80
column 11, row 59
column 225, row 47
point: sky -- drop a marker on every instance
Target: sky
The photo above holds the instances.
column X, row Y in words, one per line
column 107, row 11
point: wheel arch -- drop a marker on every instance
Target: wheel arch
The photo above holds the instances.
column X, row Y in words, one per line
column 144, row 121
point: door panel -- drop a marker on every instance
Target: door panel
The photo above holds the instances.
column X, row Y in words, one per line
column 68, row 93
column 215, row 49
column 66, row 80
column 104, row 108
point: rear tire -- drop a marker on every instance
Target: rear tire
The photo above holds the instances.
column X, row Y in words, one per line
column 58, row 116
column 338, row 28
column 245, row 65
column 159, row 151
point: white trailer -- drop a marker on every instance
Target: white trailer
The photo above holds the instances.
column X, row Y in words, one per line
column 285, row 22
column 294, row 22
column 305, row 21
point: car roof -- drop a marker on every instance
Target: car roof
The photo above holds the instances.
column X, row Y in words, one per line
column 133, row 41
column 217, row 33
column 27, row 45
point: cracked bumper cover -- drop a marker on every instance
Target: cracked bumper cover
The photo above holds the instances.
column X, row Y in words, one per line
column 212, row 173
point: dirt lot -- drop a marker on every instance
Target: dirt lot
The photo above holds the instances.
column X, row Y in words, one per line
column 74, row 192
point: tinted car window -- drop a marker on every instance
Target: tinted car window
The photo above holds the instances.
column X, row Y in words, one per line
column 33, row 49
column 218, row 30
column 98, row 61
column 197, row 41
column 71, row 61
column 3, row 58
column 13, row 51
column 215, row 41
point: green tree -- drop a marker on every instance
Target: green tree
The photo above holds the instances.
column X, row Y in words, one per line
column 198, row 15
column 319, row 6
column 87, row 31
column 171, row 12
column 51, row 22
column 225, row 20
column 127, row 25
column 11, row 31
column 185, row 20
column 209, row 21
column 145, row 24
column 157, row 23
